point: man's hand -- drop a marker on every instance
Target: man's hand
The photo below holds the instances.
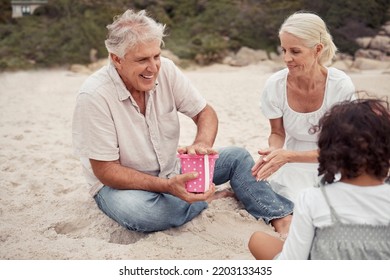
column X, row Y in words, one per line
column 197, row 149
column 176, row 187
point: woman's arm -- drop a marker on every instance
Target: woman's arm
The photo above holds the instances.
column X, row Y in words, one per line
column 278, row 134
column 275, row 141
column 275, row 156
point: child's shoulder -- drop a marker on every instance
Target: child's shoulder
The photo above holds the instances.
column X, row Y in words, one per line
column 310, row 196
column 315, row 194
column 339, row 189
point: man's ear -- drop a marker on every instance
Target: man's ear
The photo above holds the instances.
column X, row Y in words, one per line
column 116, row 60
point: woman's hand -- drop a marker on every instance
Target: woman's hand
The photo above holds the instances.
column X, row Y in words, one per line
column 260, row 162
column 269, row 162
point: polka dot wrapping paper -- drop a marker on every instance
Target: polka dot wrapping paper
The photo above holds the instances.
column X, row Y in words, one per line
column 204, row 165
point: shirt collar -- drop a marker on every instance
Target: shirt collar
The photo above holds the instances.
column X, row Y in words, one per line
column 122, row 91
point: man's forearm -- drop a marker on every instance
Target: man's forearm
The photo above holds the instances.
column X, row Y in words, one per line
column 115, row 175
column 207, row 126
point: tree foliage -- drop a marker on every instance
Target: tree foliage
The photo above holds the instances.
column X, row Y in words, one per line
column 64, row 31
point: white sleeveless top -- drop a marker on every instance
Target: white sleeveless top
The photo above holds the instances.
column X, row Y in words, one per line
column 338, row 88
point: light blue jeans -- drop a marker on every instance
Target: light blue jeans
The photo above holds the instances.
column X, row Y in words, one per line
column 149, row 211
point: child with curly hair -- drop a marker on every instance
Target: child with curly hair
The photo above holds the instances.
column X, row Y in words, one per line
column 346, row 218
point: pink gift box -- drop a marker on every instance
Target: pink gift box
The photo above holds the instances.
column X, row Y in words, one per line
column 204, row 165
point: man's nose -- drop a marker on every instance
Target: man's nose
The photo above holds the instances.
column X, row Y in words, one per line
column 152, row 66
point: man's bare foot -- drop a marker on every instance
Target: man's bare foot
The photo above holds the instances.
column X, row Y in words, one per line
column 282, row 225
column 220, row 194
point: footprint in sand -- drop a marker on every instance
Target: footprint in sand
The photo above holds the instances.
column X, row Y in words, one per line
column 70, row 228
column 125, row 237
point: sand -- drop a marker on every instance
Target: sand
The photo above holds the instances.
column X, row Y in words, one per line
column 46, row 212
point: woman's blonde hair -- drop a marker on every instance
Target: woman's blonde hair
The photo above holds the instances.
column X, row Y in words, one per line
column 312, row 30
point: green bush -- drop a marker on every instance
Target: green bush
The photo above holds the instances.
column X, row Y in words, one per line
column 64, row 31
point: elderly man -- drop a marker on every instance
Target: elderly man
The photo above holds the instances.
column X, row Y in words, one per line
column 126, row 132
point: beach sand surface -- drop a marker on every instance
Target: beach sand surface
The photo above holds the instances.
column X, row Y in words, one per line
column 45, row 210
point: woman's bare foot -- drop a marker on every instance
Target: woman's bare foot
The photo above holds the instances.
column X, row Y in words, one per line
column 220, row 194
column 282, row 225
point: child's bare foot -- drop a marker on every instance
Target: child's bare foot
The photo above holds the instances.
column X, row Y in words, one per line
column 220, row 194
column 282, row 225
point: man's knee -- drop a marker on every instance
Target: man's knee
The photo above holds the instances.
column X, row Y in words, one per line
column 236, row 153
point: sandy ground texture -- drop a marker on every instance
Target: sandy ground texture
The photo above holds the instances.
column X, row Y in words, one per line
column 45, row 209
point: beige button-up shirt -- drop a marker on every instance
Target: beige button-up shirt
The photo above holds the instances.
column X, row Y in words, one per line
column 108, row 125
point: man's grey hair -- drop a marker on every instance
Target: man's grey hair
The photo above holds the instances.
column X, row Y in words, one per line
column 130, row 29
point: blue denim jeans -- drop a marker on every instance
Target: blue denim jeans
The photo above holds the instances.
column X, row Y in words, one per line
column 148, row 211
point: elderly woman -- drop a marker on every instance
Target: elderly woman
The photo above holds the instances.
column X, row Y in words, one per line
column 294, row 99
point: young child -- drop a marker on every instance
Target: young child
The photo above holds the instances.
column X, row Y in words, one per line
column 348, row 218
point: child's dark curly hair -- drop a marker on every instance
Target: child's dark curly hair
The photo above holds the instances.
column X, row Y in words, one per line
column 355, row 138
